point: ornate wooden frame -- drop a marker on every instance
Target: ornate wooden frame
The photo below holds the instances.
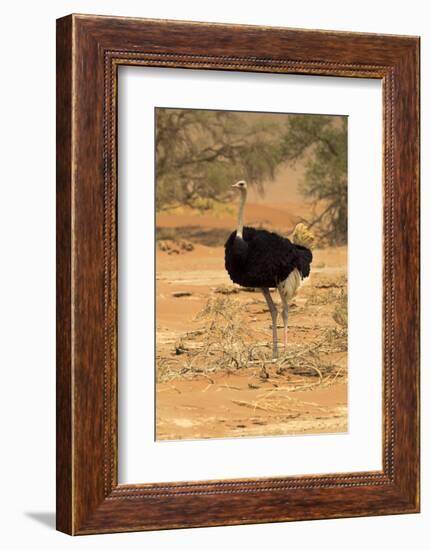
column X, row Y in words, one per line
column 89, row 51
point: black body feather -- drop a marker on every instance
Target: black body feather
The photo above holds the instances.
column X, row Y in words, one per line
column 264, row 259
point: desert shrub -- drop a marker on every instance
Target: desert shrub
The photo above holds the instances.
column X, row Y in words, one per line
column 340, row 313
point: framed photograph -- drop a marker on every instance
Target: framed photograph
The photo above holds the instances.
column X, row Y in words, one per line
column 237, row 274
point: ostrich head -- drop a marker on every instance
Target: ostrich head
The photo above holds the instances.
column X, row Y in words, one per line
column 241, row 184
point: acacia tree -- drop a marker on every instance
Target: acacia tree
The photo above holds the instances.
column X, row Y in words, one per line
column 199, row 154
column 322, row 142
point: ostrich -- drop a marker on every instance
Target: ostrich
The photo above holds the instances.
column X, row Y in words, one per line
column 258, row 258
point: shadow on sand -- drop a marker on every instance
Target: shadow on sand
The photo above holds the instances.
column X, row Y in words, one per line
column 196, row 234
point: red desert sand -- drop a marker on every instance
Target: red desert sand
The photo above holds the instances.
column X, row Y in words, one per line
column 203, row 389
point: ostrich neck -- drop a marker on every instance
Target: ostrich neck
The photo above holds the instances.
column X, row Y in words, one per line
column 240, row 225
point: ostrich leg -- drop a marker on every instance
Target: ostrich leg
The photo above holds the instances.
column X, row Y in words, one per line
column 285, row 315
column 274, row 312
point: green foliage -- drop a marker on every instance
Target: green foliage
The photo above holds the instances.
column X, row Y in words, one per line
column 322, row 142
column 199, row 154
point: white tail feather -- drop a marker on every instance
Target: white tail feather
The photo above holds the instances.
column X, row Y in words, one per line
column 289, row 286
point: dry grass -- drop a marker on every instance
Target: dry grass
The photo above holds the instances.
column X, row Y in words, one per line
column 326, row 290
column 340, row 310
column 226, row 341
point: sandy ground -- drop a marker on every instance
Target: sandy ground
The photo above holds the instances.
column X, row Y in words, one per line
column 258, row 398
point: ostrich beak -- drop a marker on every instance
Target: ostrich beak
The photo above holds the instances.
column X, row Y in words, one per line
column 238, row 184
